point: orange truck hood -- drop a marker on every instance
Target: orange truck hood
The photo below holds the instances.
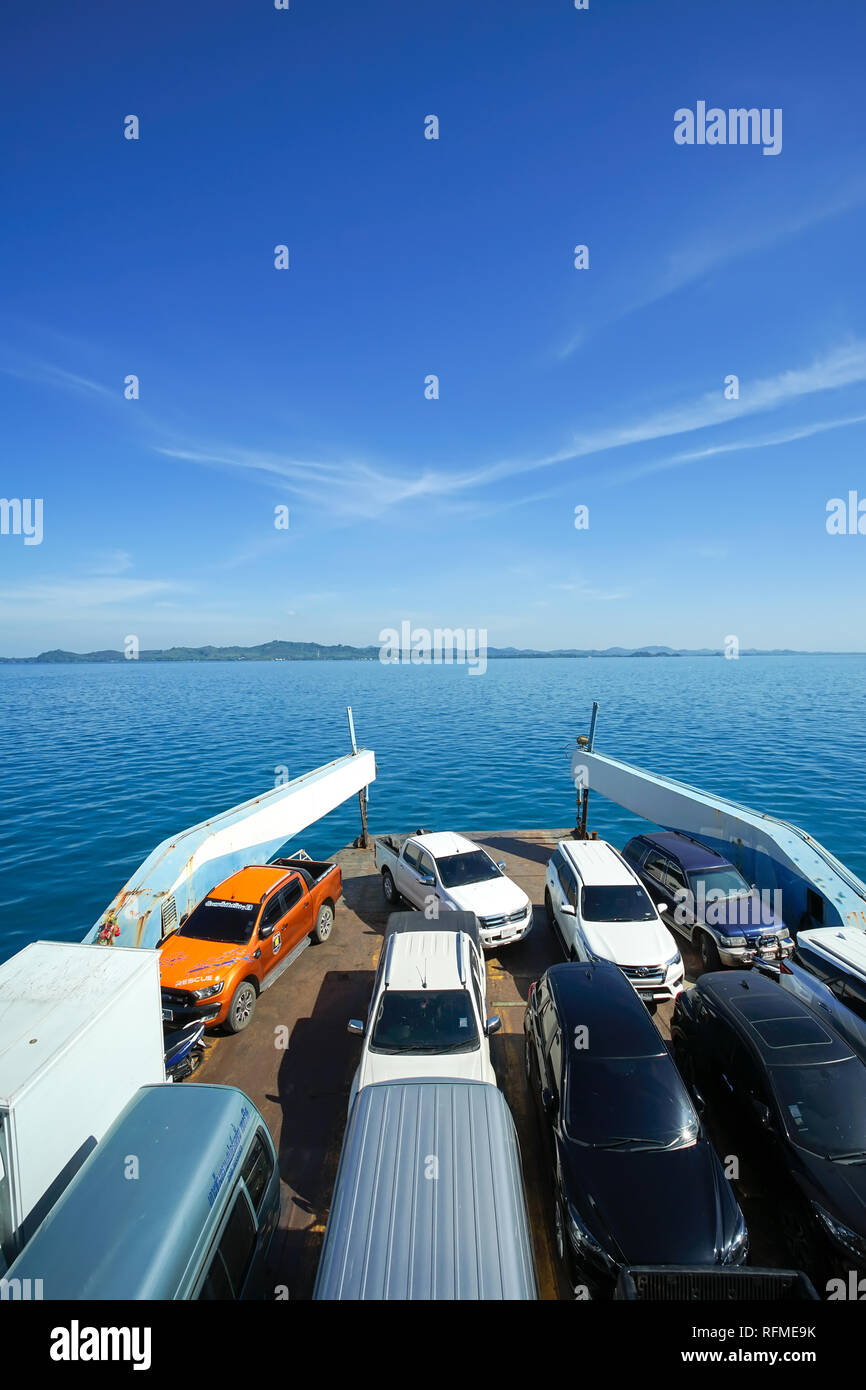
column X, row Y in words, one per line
column 187, row 963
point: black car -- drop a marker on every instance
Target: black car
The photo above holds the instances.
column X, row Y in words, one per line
column 636, row 1181
column 796, row 1093
column 842, row 1007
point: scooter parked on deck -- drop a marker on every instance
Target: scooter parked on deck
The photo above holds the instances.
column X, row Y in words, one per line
column 184, row 1050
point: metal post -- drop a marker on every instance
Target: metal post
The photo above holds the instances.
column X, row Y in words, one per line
column 591, row 725
column 364, row 842
column 351, row 728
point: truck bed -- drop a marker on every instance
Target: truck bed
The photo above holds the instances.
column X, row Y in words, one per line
column 312, row 871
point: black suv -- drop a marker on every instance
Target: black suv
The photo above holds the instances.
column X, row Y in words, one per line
column 795, row 1093
column 635, row 1179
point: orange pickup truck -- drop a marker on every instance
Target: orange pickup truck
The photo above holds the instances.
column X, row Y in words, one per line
column 241, row 938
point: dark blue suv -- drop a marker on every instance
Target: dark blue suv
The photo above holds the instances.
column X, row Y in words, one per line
column 708, row 900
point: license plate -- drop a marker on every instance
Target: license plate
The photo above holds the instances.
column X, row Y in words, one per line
column 167, row 1015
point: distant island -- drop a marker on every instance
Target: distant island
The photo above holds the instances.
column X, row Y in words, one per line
column 316, row 651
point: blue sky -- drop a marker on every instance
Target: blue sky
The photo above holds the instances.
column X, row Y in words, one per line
column 558, row 387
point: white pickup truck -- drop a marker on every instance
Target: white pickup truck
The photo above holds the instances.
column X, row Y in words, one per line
column 448, row 873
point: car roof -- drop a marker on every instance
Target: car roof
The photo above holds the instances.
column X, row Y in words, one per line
column 107, row 1237
column 779, row 1025
column 597, row 996
column 443, row 842
column 847, row 945
column 251, row 884
column 597, row 862
column 391, row 1235
column 426, row 960
column 449, row 921
column 690, row 853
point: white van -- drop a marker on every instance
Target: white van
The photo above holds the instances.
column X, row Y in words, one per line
column 600, row 910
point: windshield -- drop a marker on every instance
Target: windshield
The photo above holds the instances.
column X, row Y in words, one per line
column 475, row 866
column 623, row 903
column 822, row 1107
column 423, row 1020
column 213, row 920
column 629, row 1103
column 728, row 881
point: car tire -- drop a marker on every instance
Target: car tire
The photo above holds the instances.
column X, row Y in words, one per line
column 324, row 923
column 242, row 1007
column 710, row 959
column 548, row 907
column 389, row 888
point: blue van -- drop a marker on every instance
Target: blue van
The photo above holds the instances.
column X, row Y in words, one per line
column 179, row 1200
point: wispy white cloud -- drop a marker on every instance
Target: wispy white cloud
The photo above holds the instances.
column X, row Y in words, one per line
column 739, row 446
column 84, row 594
column 110, row 562
column 689, row 263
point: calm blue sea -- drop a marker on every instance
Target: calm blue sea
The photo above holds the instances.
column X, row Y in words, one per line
column 101, row 763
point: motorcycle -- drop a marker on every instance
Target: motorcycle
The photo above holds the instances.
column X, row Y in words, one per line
column 184, row 1050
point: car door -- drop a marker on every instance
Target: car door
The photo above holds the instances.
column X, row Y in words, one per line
column 552, row 1088
column 427, row 869
column 678, row 902
column 407, row 872
column 268, row 937
column 564, row 896
column 297, row 914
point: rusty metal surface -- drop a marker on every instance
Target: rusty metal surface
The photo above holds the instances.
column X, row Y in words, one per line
column 296, row 1059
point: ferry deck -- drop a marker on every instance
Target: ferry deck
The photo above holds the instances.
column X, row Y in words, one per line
column 296, row 1060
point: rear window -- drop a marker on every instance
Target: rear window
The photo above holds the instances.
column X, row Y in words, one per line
column 231, row 1261
column 214, row 920
column 413, row 1021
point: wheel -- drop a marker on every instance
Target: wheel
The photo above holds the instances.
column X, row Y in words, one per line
column 710, row 959
column 324, row 923
column 241, row 1008
column 389, row 889
column 548, row 907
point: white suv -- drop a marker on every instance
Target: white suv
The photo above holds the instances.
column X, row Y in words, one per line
column 601, row 911
column 428, row 1013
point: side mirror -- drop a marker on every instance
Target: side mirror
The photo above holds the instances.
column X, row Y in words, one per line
column 661, row 907
column 355, row 1026
column 265, row 932
column 697, row 1097
column 567, row 910
column 762, row 1113
column 493, row 1024
column 501, row 865
column 548, row 1100
column 428, row 880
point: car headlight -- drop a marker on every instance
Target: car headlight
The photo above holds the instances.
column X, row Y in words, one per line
column 733, row 940
column 676, row 959
column 584, row 1241
column 208, row 991
column 738, row 1248
column 843, row 1235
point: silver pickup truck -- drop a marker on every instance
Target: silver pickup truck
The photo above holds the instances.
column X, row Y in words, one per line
column 448, row 873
